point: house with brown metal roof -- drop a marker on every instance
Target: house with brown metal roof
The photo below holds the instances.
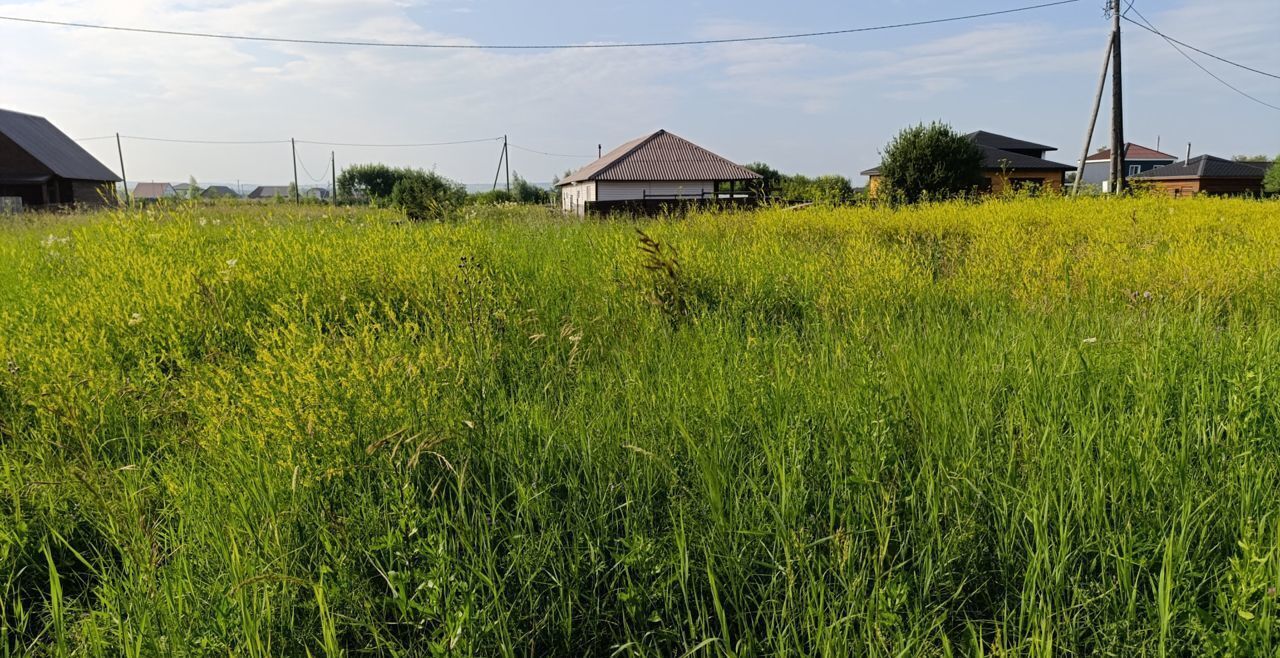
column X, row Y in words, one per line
column 1137, row 159
column 651, row 171
column 1007, row 163
column 1206, row 174
column 154, row 191
column 42, row 166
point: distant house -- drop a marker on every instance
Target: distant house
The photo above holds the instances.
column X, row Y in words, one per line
column 1137, row 159
column 649, row 171
column 1007, row 163
column 271, row 192
column 41, row 165
column 316, row 193
column 219, row 192
column 154, row 192
column 183, row 189
column 1206, row 174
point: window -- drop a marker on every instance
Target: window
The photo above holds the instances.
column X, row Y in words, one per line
column 1135, row 169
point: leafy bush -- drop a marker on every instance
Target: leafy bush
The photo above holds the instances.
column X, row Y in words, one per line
column 490, row 198
column 930, row 162
column 522, row 191
column 369, row 182
column 797, row 188
column 1271, row 181
column 426, row 195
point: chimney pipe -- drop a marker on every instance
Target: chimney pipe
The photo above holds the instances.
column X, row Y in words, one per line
column 1157, row 142
column 1188, row 161
column 599, row 151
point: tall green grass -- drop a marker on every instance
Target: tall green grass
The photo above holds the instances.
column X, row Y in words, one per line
column 1029, row 427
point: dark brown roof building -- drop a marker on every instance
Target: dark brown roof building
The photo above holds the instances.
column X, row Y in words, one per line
column 43, row 166
column 1007, row 162
column 1207, row 174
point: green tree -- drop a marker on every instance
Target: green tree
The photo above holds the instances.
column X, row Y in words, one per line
column 369, row 182
column 193, row 188
column 522, row 191
column 424, row 195
column 930, row 161
column 1271, row 181
column 1250, row 158
column 770, row 181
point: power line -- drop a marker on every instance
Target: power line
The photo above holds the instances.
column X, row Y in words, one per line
column 203, row 141
column 302, row 163
column 455, row 46
column 1184, row 44
column 554, row 155
column 462, row 141
column 233, row 142
column 1200, row 66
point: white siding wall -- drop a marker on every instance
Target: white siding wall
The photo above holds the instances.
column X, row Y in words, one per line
column 574, row 198
column 618, row 191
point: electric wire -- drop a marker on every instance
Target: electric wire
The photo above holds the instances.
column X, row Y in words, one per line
column 204, row 141
column 554, row 155
column 424, row 144
column 323, row 177
column 580, row 46
column 1202, row 67
column 1188, row 46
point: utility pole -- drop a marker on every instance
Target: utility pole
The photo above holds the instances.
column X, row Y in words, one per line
column 501, row 158
column 506, row 158
column 1093, row 118
column 123, row 179
column 1117, row 104
column 333, row 178
column 297, row 193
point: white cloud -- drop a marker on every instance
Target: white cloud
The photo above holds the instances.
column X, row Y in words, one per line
column 781, row 93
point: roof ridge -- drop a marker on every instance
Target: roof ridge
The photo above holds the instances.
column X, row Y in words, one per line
column 623, row 156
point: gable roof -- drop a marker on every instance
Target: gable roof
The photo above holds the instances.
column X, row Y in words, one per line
column 1005, row 143
column 153, row 191
column 661, row 156
column 218, row 191
column 54, row 148
column 995, row 158
column 1131, row 152
column 1207, row 166
column 268, row 191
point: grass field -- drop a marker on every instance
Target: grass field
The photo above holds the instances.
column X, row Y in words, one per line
column 1034, row 427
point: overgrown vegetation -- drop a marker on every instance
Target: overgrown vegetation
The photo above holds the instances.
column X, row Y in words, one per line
column 1032, row 427
column 797, row 188
column 929, row 162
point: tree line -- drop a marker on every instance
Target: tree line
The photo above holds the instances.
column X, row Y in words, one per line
column 424, row 195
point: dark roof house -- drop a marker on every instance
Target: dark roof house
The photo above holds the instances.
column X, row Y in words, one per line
column 1207, row 174
column 43, row 166
column 1007, row 162
column 219, row 192
column 657, row 166
column 270, row 192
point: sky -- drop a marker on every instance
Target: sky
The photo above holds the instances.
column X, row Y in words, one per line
column 815, row 106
